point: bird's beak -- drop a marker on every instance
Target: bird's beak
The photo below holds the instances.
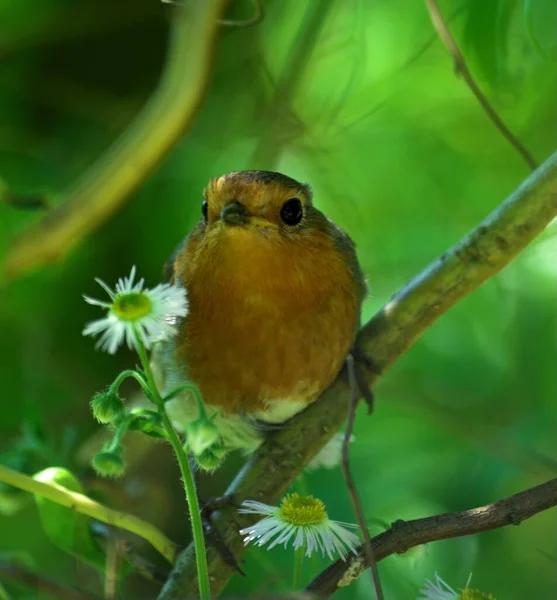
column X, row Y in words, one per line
column 235, row 214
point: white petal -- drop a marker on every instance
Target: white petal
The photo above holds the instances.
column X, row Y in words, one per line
column 257, row 508
column 112, row 337
column 348, row 538
column 105, row 288
column 261, row 528
column 268, row 537
column 278, row 529
column 96, row 302
column 300, row 538
column 95, row 327
column 326, row 540
column 438, row 590
column 287, row 532
column 130, row 335
column 312, row 541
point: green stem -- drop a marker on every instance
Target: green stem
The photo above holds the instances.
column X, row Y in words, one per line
column 119, row 433
column 126, row 375
column 86, row 506
column 187, row 477
column 191, row 387
column 298, row 563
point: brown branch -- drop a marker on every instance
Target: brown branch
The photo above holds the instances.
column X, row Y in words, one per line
column 274, row 466
column 450, row 44
column 108, row 183
column 39, row 583
column 404, row 535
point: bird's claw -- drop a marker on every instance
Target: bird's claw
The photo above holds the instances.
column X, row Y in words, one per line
column 362, row 366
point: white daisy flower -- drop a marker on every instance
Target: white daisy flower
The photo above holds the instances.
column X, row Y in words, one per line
column 133, row 310
column 303, row 518
column 441, row 590
column 438, row 590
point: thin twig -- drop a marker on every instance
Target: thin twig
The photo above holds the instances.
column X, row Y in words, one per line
column 136, row 153
column 450, row 44
column 404, row 535
column 357, row 505
column 479, row 256
column 40, row 583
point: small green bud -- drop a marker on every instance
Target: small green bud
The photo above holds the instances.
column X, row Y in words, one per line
column 107, row 407
column 201, row 435
column 109, row 463
column 211, row 458
column 208, row 461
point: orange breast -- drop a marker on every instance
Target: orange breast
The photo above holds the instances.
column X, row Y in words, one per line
column 268, row 321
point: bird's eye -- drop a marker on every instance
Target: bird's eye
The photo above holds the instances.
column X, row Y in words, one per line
column 292, row 212
column 204, row 208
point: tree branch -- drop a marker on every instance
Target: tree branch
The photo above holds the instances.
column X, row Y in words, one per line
column 404, row 535
column 480, row 255
column 130, row 160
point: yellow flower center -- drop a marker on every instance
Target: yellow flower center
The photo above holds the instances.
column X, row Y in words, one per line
column 131, row 306
column 302, row 510
column 468, row 594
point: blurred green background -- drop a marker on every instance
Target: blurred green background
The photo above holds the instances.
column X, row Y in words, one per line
column 400, row 154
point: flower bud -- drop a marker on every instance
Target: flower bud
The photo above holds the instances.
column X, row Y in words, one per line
column 201, row 435
column 211, row 458
column 107, row 407
column 208, row 461
column 109, row 463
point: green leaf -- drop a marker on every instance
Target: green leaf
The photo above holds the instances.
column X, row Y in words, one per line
column 67, row 529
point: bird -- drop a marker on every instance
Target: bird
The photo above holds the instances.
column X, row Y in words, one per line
column 275, row 292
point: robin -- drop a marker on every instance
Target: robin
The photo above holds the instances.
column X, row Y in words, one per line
column 275, row 292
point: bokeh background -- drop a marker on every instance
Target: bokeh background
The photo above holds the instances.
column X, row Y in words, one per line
column 400, row 154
